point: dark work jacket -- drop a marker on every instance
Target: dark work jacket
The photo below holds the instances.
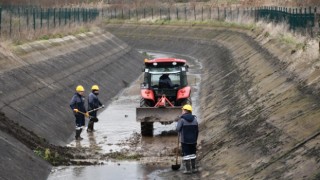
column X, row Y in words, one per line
column 77, row 102
column 93, row 103
column 188, row 128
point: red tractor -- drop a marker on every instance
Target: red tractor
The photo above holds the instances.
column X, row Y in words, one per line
column 163, row 92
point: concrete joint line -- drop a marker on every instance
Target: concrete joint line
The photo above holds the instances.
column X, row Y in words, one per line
column 297, row 146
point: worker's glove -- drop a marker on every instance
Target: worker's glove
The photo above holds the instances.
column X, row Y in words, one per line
column 177, row 118
column 75, row 110
column 102, row 106
column 86, row 114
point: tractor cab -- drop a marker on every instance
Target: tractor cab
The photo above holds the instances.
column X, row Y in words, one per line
column 165, row 76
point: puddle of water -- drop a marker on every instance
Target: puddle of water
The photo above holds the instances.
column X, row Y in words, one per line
column 110, row 171
column 117, row 123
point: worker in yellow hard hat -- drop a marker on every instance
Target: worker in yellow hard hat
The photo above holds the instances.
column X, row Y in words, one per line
column 93, row 105
column 188, row 130
column 79, row 110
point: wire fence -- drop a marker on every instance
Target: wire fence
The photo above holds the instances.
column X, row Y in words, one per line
column 15, row 19
column 305, row 20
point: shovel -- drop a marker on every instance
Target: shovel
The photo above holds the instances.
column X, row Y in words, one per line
column 176, row 166
column 94, row 119
column 95, row 109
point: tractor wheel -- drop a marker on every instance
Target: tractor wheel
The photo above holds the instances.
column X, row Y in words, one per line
column 146, row 128
column 186, row 101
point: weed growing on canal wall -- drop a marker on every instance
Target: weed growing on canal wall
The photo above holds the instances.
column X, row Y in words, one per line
column 49, row 155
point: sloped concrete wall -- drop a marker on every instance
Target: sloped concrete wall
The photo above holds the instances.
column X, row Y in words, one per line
column 36, row 94
column 259, row 102
column 37, row 82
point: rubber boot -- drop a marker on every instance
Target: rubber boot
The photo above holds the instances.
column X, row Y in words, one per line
column 186, row 164
column 78, row 132
column 90, row 126
column 193, row 163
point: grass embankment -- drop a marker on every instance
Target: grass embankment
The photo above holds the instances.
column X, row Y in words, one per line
column 269, row 31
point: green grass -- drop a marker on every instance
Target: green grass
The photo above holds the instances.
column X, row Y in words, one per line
column 52, row 157
column 292, row 41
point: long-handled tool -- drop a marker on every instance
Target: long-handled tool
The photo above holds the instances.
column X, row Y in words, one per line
column 96, row 109
column 176, row 166
column 94, row 119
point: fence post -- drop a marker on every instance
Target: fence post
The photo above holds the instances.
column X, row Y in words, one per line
column 54, row 17
column 316, row 25
column 210, row 13
column 78, row 15
column 177, row 13
column 48, row 19
column 129, row 15
column 137, row 15
column 34, row 19
column 69, row 16
column 10, row 11
column 305, row 18
column 151, row 13
column 75, row 15
column 218, row 13
column 185, row 13
column 0, row 19
column 169, row 14
column 19, row 16
column 202, row 13
column 59, row 14
column 102, row 12
column 122, row 14
column 65, row 15
column 41, row 18
column 87, row 15
column 238, row 12
column 194, row 12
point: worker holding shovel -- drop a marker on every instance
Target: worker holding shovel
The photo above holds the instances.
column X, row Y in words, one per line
column 187, row 128
column 93, row 105
column 79, row 110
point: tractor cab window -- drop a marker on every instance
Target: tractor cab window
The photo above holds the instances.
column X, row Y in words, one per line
column 174, row 77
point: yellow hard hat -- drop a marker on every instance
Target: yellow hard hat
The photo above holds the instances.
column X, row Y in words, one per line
column 79, row 88
column 95, row 88
column 187, row 107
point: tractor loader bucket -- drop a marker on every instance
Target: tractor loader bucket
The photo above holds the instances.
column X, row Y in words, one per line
column 157, row 114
